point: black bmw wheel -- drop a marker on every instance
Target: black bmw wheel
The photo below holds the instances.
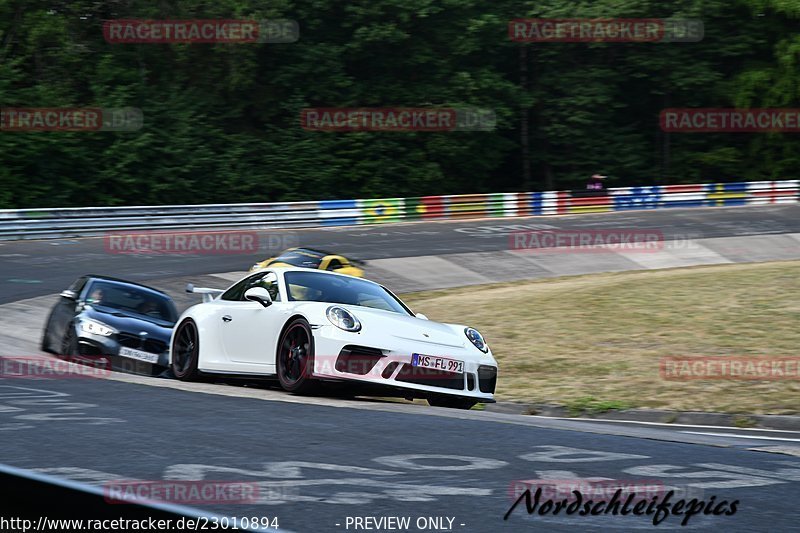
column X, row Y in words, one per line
column 185, row 351
column 452, row 402
column 69, row 344
column 295, row 358
column 45, row 344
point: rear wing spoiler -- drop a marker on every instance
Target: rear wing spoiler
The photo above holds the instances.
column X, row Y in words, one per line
column 208, row 294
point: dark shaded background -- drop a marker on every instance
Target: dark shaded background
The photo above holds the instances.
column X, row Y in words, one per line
column 221, row 121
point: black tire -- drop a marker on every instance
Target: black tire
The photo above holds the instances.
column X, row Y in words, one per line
column 185, row 351
column 452, row 402
column 295, row 358
column 44, row 345
column 69, row 344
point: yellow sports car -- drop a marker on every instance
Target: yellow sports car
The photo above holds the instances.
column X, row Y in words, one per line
column 308, row 258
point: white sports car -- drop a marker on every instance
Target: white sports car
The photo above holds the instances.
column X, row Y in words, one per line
column 308, row 326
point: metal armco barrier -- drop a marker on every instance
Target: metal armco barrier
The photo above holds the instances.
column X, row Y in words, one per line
column 39, row 502
column 76, row 222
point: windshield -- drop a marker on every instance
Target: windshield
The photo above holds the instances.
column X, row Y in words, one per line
column 130, row 299
column 300, row 258
column 317, row 287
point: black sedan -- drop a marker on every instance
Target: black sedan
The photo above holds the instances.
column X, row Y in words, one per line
column 98, row 316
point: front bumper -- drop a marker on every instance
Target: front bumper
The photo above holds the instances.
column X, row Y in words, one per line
column 386, row 361
column 90, row 345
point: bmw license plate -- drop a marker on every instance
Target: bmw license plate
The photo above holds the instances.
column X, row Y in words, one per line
column 437, row 363
column 138, row 354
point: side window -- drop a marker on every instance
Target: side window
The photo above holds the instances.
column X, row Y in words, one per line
column 268, row 280
column 334, row 264
column 236, row 293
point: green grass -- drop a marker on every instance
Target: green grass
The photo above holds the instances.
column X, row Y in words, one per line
column 594, row 342
column 592, row 406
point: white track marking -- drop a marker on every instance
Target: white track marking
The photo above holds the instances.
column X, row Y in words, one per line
column 733, row 435
column 664, row 424
column 409, row 461
column 728, row 480
column 565, row 454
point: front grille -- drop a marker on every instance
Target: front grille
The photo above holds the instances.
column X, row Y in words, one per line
column 389, row 370
column 148, row 345
column 86, row 348
column 431, row 378
column 359, row 360
column 487, row 378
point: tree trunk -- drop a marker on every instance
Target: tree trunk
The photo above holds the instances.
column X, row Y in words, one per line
column 524, row 122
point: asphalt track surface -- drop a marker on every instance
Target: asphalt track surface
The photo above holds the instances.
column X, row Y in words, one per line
column 321, row 462
column 317, row 465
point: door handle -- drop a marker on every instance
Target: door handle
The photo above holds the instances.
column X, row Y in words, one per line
column 227, row 318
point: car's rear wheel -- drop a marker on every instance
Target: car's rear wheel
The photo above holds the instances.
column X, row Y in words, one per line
column 295, row 358
column 186, row 351
column 452, row 402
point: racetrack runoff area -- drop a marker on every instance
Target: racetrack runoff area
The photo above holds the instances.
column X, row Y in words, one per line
column 598, row 341
column 576, row 325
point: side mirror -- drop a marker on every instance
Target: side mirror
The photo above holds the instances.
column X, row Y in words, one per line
column 69, row 294
column 258, row 294
column 420, row 315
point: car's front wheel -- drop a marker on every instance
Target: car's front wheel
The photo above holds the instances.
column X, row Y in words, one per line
column 295, row 358
column 69, row 344
column 186, row 351
column 452, row 402
column 45, row 343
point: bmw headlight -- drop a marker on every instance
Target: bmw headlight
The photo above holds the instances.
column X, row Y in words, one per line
column 343, row 319
column 97, row 328
column 477, row 339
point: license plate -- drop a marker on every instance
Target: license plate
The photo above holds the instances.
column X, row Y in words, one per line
column 139, row 354
column 437, row 363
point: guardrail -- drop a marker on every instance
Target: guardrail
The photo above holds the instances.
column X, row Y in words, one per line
column 76, row 222
column 32, row 501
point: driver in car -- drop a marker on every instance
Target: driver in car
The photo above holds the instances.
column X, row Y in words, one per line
column 147, row 307
column 96, row 297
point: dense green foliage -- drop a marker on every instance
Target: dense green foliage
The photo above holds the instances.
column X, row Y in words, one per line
column 221, row 121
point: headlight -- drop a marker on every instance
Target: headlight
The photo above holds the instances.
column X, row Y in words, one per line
column 476, row 339
column 343, row 319
column 97, row 328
